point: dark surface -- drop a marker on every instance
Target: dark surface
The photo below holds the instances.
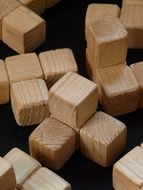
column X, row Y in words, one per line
column 65, row 28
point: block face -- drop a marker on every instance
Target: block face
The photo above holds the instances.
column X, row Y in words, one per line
column 132, row 2
column 52, row 143
column 56, row 63
column 102, row 139
column 90, row 66
column 73, row 99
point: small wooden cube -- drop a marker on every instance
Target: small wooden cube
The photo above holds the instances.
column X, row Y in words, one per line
column 29, row 100
column 118, row 89
column 7, row 175
column 102, row 139
column 132, row 2
column 23, row 67
column 23, row 30
column 73, row 99
column 128, row 171
column 51, row 3
column 56, row 63
column 45, row 179
column 90, row 66
column 23, row 165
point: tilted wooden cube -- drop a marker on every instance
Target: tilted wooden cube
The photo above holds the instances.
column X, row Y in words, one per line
column 50, row 3
column 23, row 165
column 132, row 2
column 23, row 30
column 73, row 100
column 56, row 63
column 118, row 89
column 102, row 139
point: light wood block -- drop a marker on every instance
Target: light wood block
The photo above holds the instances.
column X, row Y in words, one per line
column 4, row 84
column 56, row 63
column 21, row 27
column 102, row 139
column 23, row 165
column 7, row 176
column 29, row 100
column 73, row 100
column 51, row 3
column 128, row 171
column 132, row 2
column 23, row 67
column 45, row 179
column 142, row 145
column 118, row 89
column 107, row 42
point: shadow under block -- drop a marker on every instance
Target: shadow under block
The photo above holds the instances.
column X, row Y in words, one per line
column 102, row 139
column 118, row 89
column 107, row 42
column 23, row 67
column 56, row 63
column 23, row 30
column 7, row 175
column 24, row 165
column 128, row 171
column 73, row 100
column 4, row 84
column 50, row 3
column 45, row 179
column 132, row 2
column 52, row 143
column 29, row 101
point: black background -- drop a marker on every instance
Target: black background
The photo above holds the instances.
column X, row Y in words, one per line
column 65, row 28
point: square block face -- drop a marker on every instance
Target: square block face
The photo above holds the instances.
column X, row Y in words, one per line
column 23, row 165
column 23, row 67
column 52, row 143
column 73, row 100
column 29, row 100
column 17, row 32
column 44, row 179
column 118, row 89
column 56, row 63
column 102, row 139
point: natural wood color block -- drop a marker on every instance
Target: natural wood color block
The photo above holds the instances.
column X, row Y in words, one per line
column 45, row 179
column 73, row 99
column 132, row 2
column 142, row 145
column 56, row 63
column 24, row 165
column 23, row 30
column 51, row 3
column 118, row 89
column 29, row 100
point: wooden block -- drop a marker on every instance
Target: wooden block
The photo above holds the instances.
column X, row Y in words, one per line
column 132, row 2
column 23, row 165
column 4, row 84
column 7, row 175
column 73, row 99
column 56, row 63
column 20, row 35
column 118, row 89
column 51, row 3
column 29, row 101
column 23, row 67
column 128, row 171
column 107, row 42
column 45, row 179
column 142, row 145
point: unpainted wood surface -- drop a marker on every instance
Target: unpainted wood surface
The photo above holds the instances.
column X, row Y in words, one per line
column 132, row 2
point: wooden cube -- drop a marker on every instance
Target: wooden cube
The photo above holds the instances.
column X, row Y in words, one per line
column 29, row 100
column 90, row 66
column 142, row 145
column 7, row 176
column 118, row 89
column 132, row 2
column 73, row 100
column 128, row 171
column 107, row 42
column 102, row 139
column 23, row 30
column 23, row 67
column 45, row 179
column 23, row 165
column 56, row 63
column 51, row 3
column 4, row 84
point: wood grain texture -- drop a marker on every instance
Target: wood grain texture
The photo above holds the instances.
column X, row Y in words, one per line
column 52, row 143
column 51, row 3
column 118, row 89
column 73, row 99
column 29, row 101
column 56, row 63
column 23, row 165
column 132, row 2
column 44, row 179
column 21, row 27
